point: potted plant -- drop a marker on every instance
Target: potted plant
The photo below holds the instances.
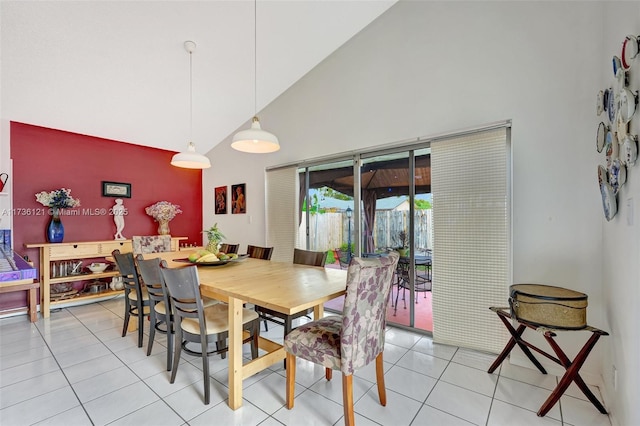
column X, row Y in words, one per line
column 403, row 243
column 214, row 236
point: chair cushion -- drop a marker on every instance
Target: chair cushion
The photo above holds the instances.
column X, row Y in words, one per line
column 134, row 296
column 216, row 318
column 317, row 341
column 160, row 308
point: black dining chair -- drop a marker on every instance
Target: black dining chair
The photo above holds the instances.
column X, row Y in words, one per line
column 136, row 298
column 195, row 323
column 300, row 257
column 160, row 310
column 258, row 252
column 229, row 248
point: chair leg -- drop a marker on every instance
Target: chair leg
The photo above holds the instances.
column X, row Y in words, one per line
column 152, row 329
column 178, row 351
column 328, row 373
column 266, row 326
column 255, row 333
column 127, row 315
column 291, row 379
column 169, row 342
column 347, row 399
column 382, row 391
column 205, row 370
column 140, row 313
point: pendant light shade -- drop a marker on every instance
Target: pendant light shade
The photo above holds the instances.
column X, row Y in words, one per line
column 255, row 140
column 190, row 159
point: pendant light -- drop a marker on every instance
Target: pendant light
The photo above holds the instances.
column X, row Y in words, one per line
column 255, row 140
column 190, row 159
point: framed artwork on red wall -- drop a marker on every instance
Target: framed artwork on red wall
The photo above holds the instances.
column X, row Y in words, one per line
column 238, row 200
column 221, row 199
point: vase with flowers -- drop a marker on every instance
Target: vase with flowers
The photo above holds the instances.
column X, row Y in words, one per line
column 162, row 212
column 56, row 200
column 214, row 236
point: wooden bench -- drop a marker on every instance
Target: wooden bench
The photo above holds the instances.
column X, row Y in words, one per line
column 28, row 285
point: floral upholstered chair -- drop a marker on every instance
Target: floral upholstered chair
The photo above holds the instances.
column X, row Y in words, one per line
column 151, row 244
column 353, row 340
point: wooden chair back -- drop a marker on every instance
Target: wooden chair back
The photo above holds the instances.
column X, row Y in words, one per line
column 257, row 252
column 307, row 257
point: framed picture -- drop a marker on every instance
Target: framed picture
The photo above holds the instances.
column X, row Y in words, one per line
column 116, row 189
column 238, row 200
column 221, row 199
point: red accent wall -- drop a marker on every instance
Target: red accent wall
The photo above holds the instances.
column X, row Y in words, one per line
column 47, row 159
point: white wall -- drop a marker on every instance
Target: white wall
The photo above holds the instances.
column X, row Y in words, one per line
column 425, row 68
column 621, row 243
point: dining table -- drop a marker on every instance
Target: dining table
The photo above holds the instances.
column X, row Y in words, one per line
column 284, row 287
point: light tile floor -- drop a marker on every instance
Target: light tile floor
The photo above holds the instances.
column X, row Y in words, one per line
column 75, row 369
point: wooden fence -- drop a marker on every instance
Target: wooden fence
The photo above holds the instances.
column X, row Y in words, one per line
column 328, row 231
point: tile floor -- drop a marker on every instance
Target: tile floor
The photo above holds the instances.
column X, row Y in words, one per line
column 75, row 369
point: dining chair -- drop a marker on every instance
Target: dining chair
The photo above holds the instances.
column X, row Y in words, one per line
column 300, row 257
column 195, row 323
column 151, row 244
column 257, row 252
column 136, row 298
column 160, row 309
column 343, row 258
column 229, row 248
column 422, row 281
column 353, row 340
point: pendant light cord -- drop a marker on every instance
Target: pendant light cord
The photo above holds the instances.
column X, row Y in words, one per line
column 190, row 97
column 255, row 57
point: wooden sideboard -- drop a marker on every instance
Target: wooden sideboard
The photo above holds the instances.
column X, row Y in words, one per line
column 52, row 252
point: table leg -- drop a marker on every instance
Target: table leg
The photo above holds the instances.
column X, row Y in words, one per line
column 235, row 353
column 571, row 374
column 318, row 312
column 32, row 305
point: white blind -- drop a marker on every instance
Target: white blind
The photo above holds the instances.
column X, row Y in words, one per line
column 282, row 212
column 470, row 178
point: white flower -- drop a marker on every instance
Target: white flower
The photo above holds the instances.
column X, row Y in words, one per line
column 58, row 198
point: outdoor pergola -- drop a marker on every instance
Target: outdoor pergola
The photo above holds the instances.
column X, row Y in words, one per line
column 378, row 180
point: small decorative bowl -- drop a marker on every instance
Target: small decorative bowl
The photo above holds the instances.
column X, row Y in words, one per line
column 98, row 267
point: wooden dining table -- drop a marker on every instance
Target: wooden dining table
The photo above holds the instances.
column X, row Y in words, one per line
column 281, row 286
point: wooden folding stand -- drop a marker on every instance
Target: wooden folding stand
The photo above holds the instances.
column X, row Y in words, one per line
column 572, row 367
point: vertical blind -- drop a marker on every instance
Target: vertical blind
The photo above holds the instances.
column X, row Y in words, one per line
column 282, row 212
column 470, row 178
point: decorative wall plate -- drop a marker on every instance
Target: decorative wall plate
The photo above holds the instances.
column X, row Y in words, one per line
column 601, row 135
column 600, row 102
column 602, row 174
column 630, row 49
column 629, row 150
column 617, row 175
column 609, row 203
column 610, row 148
column 612, row 106
column 617, row 64
column 622, row 127
column 628, row 103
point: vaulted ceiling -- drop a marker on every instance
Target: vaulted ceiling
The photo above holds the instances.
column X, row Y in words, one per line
column 119, row 70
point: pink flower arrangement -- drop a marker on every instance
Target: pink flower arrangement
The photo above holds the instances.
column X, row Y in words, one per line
column 163, row 210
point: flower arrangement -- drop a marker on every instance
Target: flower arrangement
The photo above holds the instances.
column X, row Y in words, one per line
column 163, row 210
column 58, row 198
